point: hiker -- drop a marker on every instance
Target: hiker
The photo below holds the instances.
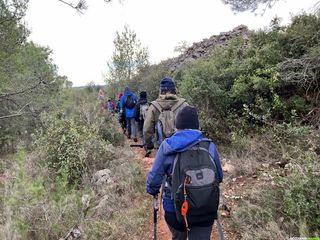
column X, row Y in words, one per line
column 109, row 106
column 121, row 115
column 164, row 107
column 127, row 104
column 101, row 96
column 193, row 172
column 140, row 111
column 117, row 108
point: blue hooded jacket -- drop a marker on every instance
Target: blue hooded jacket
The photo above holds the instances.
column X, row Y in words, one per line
column 163, row 163
column 129, row 112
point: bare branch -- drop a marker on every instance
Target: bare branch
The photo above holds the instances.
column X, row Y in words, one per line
column 5, row 96
column 81, row 5
column 18, row 113
column 249, row 5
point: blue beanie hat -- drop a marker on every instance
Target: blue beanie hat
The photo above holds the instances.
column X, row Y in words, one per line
column 126, row 90
column 167, row 84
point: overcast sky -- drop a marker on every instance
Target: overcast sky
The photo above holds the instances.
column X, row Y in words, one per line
column 82, row 44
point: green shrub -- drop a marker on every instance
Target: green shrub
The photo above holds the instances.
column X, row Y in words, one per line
column 72, row 147
column 289, row 206
column 301, row 194
column 36, row 206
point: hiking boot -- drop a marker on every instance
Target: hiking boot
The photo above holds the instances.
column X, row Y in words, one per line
column 135, row 140
column 129, row 137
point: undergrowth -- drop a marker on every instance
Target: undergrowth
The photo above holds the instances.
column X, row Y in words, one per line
column 43, row 196
column 287, row 204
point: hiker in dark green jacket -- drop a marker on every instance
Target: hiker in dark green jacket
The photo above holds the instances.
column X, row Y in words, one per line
column 166, row 100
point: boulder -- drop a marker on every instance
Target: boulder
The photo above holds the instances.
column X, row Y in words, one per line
column 102, row 181
column 229, row 168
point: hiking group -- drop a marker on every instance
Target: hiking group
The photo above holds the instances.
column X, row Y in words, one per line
column 107, row 105
column 186, row 169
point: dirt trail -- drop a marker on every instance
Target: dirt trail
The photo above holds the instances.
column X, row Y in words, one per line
column 163, row 232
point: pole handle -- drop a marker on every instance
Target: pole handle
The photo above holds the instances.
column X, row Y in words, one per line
column 155, row 203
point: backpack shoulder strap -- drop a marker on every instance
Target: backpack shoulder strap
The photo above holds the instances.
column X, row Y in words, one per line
column 204, row 145
column 157, row 105
column 175, row 162
column 178, row 104
column 125, row 100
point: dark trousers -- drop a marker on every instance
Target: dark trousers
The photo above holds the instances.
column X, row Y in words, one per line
column 131, row 127
column 140, row 123
column 200, row 232
column 195, row 233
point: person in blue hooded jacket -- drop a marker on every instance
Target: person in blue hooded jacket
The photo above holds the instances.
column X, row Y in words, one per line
column 129, row 112
column 187, row 136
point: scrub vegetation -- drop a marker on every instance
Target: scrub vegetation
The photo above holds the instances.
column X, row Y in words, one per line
column 259, row 99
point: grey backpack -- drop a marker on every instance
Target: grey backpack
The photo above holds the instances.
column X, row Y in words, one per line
column 165, row 127
column 194, row 180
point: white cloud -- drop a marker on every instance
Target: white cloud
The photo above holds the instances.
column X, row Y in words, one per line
column 82, row 44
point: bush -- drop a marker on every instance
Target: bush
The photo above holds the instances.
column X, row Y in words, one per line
column 36, row 206
column 301, row 194
column 40, row 200
column 289, row 206
column 72, row 147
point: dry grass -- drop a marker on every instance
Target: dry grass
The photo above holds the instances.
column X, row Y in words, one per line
column 251, row 155
column 120, row 210
column 38, row 207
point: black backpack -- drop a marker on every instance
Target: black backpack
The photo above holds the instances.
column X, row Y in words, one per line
column 130, row 102
column 195, row 181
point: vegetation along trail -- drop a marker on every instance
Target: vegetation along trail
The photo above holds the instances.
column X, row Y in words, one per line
column 68, row 173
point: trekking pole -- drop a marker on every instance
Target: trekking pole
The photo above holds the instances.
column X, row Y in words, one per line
column 155, row 210
column 137, row 145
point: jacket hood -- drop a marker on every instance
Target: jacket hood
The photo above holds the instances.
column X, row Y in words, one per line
column 181, row 141
column 127, row 93
column 168, row 100
column 168, row 96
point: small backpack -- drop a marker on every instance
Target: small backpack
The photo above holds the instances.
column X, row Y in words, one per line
column 130, row 102
column 110, row 106
column 195, row 185
column 165, row 127
column 143, row 111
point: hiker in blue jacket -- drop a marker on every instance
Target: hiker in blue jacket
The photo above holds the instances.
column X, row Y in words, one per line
column 127, row 104
column 187, row 136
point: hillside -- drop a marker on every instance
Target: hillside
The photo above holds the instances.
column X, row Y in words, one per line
column 67, row 170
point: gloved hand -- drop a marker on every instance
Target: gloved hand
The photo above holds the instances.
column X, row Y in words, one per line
column 148, row 152
column 150, row 146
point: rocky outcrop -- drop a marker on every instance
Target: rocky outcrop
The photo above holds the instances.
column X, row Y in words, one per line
column 203, row 49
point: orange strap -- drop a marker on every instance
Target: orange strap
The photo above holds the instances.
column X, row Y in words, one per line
column 185, row 205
